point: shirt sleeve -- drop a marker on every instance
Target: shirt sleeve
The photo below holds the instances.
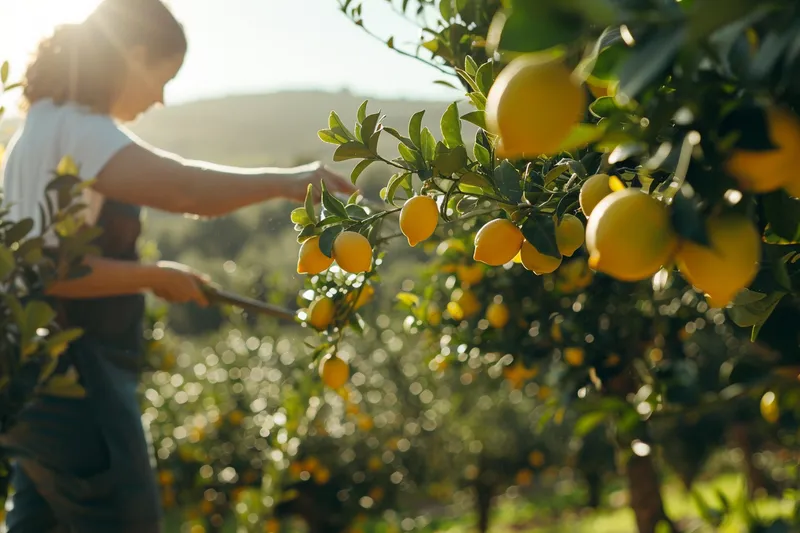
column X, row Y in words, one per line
column 92, row 141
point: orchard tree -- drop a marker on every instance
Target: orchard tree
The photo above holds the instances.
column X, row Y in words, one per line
column 664, row 129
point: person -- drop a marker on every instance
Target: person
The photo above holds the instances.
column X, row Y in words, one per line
column 84, row 464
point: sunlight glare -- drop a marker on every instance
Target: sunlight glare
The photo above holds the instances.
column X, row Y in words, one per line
column 26, row 23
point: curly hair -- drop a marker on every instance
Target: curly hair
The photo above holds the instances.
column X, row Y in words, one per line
column 85, row 63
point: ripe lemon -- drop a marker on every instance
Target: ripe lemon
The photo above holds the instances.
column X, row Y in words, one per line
column 463, row 304
column 334, row 371
column 365, row 295
column 321, row 313
column 594, row 189
column 433, row 314
column 311, row 260
column 470, row 274
column 769, row 407
column 574, row 275
column 498, row 315
column 729, row 264
column 533, row 105
column 629, row 235
column 497, row 242
column 764, row 171
column 570, row 234
column 537, row 262
column 352, row 252
column 418, row 219
column 574, row 356
column 67, row 167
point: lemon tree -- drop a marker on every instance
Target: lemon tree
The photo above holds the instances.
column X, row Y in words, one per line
column 665, row 129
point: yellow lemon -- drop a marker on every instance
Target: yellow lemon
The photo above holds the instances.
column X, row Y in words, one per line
column 574, row 275
column 464, row 303
column 365, row 295
column 497, row 242
column 570, row 234
column 322, row 475
column 311, row 260
column 533, row 105
column 767, row 170
column 536, row 458
column 433, row 314
column 729, row 264
column 67, row 167
column 574, row 356
column 498, row 315
column 769, row 407
column 321, row 313
column 470, row 274
column 594, row 189
column 629, row 235
column 418, row 219
column 352, row 252
column 334, row 371
column 537, row 262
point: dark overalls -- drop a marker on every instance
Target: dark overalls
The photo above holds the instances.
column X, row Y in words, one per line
column 85, row 465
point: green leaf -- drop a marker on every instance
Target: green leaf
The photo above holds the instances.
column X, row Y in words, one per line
column 369, row 124
column 396, row 134
column 476, row 117
column 757, row 312
column 352, row 150
column 428, row 145
column 362, row 111
column 18, row 231
column 509, row 181
column 470, row 66
column 603, row 107
column 540, row 230
column 300, row 217
column 62, row 386
column 650, row 60
column 531, row 27
column 687, row 216
column 306, row 233
column 334, row 123
column 484, row 78
column 361, row 167
column 783, row 215
column 415, row 128
column 448, row 162
column 412, row 156
column 482, row 155
column 474, row 179
column 580, row 136
column 331, row 203
column 309, row 203
column 446, row 9
column 585, row 424
column 4, row 69
column 331, row 137
column 37, row 315
column 7, row 262
column 478, row 100
column 451, row 127
column 554, row 173
column 394, row 183
column 58, row 342
column 326, row 239
column 356, row 212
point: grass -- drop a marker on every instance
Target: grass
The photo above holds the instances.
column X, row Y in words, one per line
column 544, row 515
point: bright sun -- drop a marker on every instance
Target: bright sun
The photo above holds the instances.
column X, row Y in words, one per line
column 28, row 21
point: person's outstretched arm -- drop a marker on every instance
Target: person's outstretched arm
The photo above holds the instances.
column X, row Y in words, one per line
column 152, row 178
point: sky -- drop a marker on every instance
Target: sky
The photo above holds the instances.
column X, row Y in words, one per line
column 254, row 46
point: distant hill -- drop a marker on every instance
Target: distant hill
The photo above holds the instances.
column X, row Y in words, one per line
column 265, row 129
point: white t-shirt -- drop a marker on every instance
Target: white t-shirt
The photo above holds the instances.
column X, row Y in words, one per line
column 49, row 133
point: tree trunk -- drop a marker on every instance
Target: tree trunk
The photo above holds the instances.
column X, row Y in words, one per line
column 483, row 503
column 595, row 484
column 645, row 494
column 756, row 480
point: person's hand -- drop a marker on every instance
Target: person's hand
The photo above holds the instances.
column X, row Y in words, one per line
column 315, row 173
column 178, row 283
